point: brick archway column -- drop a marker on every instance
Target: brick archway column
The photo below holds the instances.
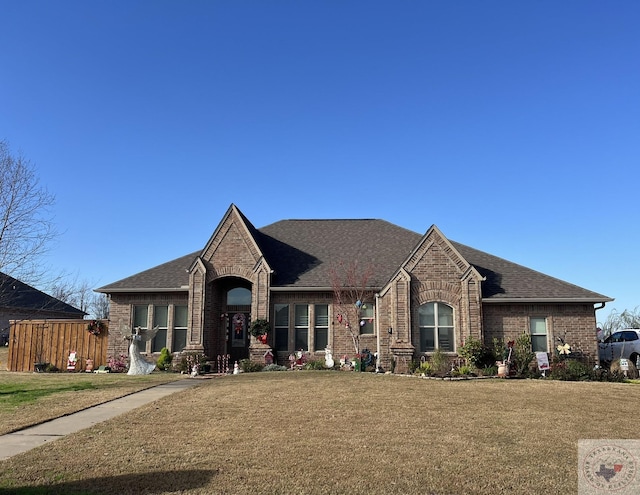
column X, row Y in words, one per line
column 402, row 355
column 258, row 350
column 197, row 287
column 260, row 293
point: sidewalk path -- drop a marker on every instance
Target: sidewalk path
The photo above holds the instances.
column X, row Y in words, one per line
column 15, row 443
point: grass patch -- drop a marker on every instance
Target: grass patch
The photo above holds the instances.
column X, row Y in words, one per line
column 317, row 432
column 31, row 398
column 15, row 395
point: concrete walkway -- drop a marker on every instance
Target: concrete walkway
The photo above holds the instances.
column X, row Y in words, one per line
column 34, row 436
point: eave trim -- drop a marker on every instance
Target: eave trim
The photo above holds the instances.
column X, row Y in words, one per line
column 546, row 300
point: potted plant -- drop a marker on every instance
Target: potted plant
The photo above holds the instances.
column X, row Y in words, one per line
column 259, row 329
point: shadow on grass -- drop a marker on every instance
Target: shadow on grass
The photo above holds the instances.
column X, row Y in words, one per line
column 148, row 483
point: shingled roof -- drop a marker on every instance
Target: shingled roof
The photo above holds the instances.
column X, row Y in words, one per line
column 171, row 276
column 15, row 294
column 302, row 252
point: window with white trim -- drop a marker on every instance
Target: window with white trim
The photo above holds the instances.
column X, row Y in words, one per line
column 538, row 328
column 281, row 327
column 301, row 322
column 179, row 328
column 160, row 320
column 140, row 319
column 321, row 327
column 436, row 327
column 367, row 312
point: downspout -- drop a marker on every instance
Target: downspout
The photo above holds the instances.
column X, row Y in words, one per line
column 377, row 317
column 596, row 308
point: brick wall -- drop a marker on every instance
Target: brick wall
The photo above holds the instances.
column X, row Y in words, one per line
column 121, row 314
column 575, row 323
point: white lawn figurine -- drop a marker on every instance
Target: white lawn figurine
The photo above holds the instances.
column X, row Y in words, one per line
column 137, row 364
column 328, row 358
column 195, row 369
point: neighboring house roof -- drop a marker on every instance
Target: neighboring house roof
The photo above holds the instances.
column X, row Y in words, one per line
column 302, row 253
column 15, row 294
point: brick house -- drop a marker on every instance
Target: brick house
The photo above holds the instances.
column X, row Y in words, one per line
column 426, row 292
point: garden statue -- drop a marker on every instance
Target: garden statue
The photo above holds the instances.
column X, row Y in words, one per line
column 195, row 370
column 268, row 357
column 71, row 362
column 137, row 364
column 328, row 358
column 378, row 367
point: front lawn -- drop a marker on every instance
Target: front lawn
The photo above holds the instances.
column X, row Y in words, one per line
column 31, row 398
column 320, row 432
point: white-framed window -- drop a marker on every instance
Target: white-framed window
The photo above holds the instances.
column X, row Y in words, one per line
column 179, row 328
column 281, row 327
column 367, row 313
column 539, row 334
column 321, row 327
column 436, row 327
column 160, row 320
column 301, row 322
column 140, row 320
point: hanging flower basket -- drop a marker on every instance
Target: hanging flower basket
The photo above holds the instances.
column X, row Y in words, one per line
column 96, row 327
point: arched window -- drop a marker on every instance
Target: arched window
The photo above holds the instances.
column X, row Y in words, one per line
column 436, row 327
column 239, row 297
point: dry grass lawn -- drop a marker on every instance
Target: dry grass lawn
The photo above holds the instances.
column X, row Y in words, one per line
column 332, row 432
column 31, row 398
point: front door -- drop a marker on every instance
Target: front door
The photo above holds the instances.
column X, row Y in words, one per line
column 238, row 336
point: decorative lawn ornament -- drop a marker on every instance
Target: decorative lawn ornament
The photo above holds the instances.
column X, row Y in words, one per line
column 328, row 358
column 71, row 362
column 339, row 318
column 564, row 349
column 238, row 323
column 358, row 303
column 195, row 371
column 96, row 327
column 362, row 323
column 137, row 364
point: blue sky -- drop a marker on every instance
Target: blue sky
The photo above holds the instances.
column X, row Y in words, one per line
column 512, row 126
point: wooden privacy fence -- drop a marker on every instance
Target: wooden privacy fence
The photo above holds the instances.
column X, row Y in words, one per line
column 51, row 341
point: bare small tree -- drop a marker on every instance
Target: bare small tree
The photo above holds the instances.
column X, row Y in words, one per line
column 350, row 283
column 26, row 227
column 75, row 293
column 617, row 321
column 79, row 294
column 99, row 306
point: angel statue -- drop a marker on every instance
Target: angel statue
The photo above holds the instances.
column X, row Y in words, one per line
column 137, row 364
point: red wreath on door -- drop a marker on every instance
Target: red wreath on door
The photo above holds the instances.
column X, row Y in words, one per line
column 238, row 323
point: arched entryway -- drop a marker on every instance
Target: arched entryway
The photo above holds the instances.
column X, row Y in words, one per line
column 235, row 302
